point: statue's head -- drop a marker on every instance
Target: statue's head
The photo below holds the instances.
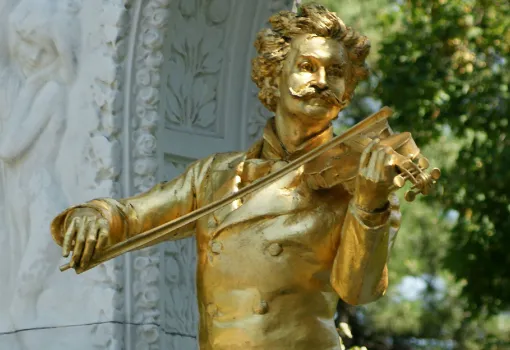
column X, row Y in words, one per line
column 32, row 48
column 309, row 63
column 43, row 35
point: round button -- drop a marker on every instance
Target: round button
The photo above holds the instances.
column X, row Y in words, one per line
column 262, row 308
column 216, row 247
column 275, row 249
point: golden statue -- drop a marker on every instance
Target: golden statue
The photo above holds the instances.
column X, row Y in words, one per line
column 289, row 226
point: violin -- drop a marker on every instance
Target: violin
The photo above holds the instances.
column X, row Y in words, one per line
column 340, row 164
column 345, row 148
column 410, row 164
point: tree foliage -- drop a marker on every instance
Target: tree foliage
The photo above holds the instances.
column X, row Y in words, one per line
column 447, row 71
column 443, row 67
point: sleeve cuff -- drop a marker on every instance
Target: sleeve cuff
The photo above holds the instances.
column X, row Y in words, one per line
column 369, row 219
column 108, row 209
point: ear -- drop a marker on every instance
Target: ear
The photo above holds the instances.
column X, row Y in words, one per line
column 277, row 86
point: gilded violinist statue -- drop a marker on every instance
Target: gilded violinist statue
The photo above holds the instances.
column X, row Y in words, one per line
column 273, row 264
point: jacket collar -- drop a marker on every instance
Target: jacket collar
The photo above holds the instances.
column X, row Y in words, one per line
column 271, row 148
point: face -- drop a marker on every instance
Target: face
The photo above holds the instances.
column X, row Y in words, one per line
column 33, row 55
column 312, row 82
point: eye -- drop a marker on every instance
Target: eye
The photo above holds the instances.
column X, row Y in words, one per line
column 307, row 66
column 335, row 71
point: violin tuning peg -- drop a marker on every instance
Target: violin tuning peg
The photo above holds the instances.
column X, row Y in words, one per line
column 399, row 181
column 435, row 173
column 410, row 196
column 423, row 163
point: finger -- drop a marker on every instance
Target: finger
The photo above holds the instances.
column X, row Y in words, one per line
column 69, row 236
column 102, row 238
column 379, row 169
column 390, row 158
column 102, row 241
column 389, row 166
column 90, row 243
column 80, row 241
column 103, row 223
column 365, row 155
column 372, row 165
column 389, row 161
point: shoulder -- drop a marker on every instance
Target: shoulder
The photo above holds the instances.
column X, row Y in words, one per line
column 227, row 161
column 216, row 162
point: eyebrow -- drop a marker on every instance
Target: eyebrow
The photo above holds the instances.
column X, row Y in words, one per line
column 310, row 56
column 340, row 65
column 335, row 62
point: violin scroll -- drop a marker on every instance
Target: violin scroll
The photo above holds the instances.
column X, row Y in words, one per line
column 422, row 181
column 412, row 166
column 410, row 163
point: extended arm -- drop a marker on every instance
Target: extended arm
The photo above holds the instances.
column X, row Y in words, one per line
column 359, row 272
column 125, row 218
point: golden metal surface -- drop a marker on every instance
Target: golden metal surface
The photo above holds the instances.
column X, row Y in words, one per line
column 289, row 226
column 166, row 230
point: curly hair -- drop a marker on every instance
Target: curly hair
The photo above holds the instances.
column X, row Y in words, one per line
column 274, row 44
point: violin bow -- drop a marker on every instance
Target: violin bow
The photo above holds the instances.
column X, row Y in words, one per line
column 144, row 239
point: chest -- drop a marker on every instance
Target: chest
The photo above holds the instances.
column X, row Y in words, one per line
column 282, row 236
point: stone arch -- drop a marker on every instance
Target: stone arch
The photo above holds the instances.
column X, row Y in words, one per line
column 186, row 83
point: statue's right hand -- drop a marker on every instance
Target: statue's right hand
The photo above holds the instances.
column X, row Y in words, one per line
column 87, row 233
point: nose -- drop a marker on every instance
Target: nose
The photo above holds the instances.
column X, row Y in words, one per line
column 320, row 80
column 34, row 54
column 29, row 54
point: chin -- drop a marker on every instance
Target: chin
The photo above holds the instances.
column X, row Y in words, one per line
column 320, row 111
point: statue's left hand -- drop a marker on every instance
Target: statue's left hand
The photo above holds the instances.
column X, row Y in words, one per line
column 374, row 181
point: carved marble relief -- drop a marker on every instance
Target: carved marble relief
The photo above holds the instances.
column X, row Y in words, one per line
column 6, row 96
column 60, row 128
column 43, row 40
column 195, row 54
column 145, row 279
column 148, row 61
column 98, row 156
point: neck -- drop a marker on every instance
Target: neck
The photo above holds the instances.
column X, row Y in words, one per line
column 293, row 132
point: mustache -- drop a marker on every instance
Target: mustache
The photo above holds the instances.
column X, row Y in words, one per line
column 309, row 92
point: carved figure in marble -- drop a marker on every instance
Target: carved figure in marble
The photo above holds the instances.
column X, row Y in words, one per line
column 272, row 264
column 42, row 65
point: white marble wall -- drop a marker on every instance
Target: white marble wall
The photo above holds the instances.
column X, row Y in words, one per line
column 106, row 98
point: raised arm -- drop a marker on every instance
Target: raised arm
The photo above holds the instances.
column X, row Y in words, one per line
column 360, row 272
column 106, row 221
column 360, row 268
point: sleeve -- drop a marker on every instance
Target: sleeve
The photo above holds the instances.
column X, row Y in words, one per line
column 360, row 272
column 131, row 216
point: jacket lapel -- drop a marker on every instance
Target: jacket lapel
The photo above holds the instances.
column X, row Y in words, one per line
column 227, row 183
column 276, row 199
column 279, row 198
